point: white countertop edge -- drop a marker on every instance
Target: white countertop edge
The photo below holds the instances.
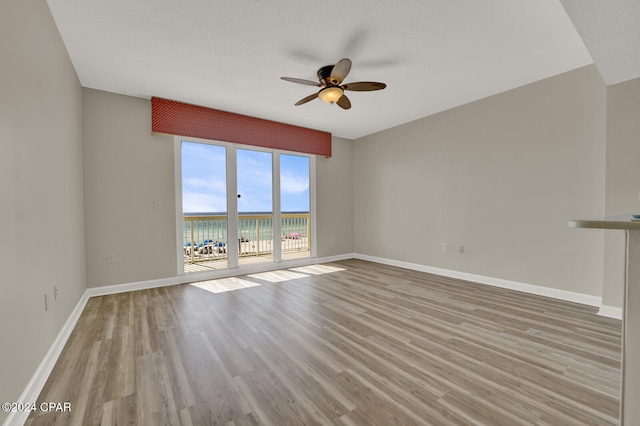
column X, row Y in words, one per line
column 609, row 222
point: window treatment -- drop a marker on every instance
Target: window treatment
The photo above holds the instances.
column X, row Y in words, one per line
column 182, row 119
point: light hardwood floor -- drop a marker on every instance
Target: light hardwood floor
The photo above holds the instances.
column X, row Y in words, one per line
column 350, row 342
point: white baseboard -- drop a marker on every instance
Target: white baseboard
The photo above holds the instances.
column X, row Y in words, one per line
column 569, row 296
column 39, row 378
column 610, row 312
column 338, row 258
column 140, row 285
column 211, row 275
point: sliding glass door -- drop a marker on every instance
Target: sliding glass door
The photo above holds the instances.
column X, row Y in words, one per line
column 242, row 206
column 255, row 206
column 204, row 207
column 294, row 207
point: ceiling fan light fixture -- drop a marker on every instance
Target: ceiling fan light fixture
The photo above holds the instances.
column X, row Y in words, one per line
column 331, row 94
column 330, row 79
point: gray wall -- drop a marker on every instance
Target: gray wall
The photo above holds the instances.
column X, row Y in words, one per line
column 126, row 169
column 501, row 176
column 41, row 217
column 623, row 178
column 334, row 196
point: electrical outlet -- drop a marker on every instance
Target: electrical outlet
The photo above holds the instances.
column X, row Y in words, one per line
column 111, row 258
column 445, row 247
column 461, row 249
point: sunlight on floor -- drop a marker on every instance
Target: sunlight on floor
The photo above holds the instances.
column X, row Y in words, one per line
column 278, row 276
column 224, row 284
column 295, row 273
column 317, row 269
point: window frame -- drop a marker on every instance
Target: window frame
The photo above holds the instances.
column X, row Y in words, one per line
column 232, row 207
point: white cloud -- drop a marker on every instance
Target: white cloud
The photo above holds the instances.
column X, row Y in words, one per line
column 204, row 153
column 212, row 184
column 193, row 202
column 294, row 184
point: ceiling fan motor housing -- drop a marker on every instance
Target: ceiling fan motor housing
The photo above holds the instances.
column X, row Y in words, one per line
column 324, row 75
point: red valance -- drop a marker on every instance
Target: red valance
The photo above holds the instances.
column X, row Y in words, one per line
column 178, row 118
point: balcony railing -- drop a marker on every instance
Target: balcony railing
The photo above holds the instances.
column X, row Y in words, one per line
column 205, row 237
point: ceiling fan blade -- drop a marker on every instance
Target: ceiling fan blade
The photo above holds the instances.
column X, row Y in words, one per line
column 301, row 81
column 340, row 71
column 364, row 86
column 344, row 102
column 307, row 99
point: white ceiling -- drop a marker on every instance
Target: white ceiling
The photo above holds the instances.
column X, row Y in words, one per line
column 611, row 31
column 433, row 55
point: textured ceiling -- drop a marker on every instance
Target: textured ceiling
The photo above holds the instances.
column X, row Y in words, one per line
column 611, row 31
column 230, row 55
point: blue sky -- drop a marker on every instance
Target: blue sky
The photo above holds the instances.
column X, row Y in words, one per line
column 204, row 180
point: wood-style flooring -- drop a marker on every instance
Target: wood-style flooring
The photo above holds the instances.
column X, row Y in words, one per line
column 347, row 343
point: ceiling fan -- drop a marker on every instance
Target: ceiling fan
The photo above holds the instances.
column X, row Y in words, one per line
column 332, row 91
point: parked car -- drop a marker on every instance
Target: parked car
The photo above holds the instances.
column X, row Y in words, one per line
column 213, row 247
column 220, row 247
